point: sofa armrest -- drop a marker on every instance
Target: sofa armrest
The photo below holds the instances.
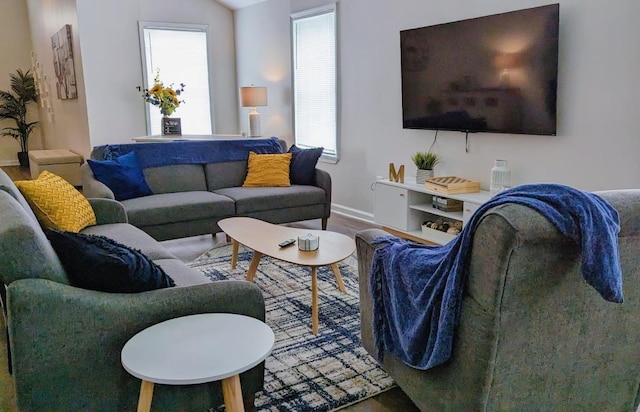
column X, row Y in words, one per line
column 365, row 251
column 92, row 187
column 66, row 343
column 108, row 211
column 323, row 181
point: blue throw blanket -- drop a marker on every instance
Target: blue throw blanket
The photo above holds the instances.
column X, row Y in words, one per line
column 192, row 151
column 417, row 290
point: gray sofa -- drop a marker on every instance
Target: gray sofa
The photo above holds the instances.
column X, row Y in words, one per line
column 532, row 335
column 65, row 341
column 189, row 199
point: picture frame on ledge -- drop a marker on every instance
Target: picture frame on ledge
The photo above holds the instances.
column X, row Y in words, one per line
column 171, row 126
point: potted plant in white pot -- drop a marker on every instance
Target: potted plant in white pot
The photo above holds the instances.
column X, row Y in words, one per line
column 425, row 162
column 14, row 106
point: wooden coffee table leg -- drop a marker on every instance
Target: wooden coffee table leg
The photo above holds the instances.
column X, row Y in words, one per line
column 314, row 301
column 232, row 393
column 146, row 395
column 253, row 266
column 336, row 273
column 234, row 254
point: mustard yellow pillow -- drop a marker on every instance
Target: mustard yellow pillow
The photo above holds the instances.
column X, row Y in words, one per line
column 56, row 203
column 267, row 170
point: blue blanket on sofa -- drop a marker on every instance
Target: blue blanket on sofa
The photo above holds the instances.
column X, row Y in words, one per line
column 192, row 151
column 417, row 290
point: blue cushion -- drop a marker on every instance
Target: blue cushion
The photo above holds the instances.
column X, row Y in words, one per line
column 99, row 263
column 122, row 175
column 302, row 170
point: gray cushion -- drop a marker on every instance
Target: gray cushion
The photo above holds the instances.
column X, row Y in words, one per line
column 175, row 207
column 175, row 178
column 24, row 249
column 8, row 186
column 131, row 236
column 181, row 274
column 226, row 174
column 255, row 199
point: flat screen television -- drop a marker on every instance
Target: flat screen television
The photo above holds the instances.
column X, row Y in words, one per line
column 495, row 73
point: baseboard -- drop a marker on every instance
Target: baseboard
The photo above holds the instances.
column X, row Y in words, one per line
column 9, row 163
column 352, row 213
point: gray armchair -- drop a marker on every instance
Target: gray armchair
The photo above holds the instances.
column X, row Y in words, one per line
column 532, row 335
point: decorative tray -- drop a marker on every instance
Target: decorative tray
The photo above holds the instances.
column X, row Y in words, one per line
column 451, row 185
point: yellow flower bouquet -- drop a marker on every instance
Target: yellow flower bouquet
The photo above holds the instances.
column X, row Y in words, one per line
column 166, row 98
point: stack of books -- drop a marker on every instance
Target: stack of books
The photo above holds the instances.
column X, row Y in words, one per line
column 446, row 204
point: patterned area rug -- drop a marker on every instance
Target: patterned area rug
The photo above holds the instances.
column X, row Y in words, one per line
column 306, row 372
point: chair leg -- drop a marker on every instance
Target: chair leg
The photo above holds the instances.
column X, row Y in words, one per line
column 324, row 223
column 249, row 402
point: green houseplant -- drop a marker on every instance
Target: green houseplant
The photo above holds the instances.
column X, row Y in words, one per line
column 425, row 162
column 14, row 106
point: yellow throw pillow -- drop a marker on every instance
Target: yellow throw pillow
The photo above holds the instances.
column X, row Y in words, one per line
column 267, row 170
column 56, row 203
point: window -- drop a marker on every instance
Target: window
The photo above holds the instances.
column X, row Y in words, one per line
column 179, row 53
column 315, row 89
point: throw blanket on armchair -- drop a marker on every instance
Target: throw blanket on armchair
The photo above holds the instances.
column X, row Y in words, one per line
column 417, row 289
column 192, row 151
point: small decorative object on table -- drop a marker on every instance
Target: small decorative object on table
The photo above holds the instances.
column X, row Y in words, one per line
column 500, row 177
column 166, row 98
column 452, row 185
column 308, row 242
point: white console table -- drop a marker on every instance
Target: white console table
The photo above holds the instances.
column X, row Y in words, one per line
column 401, row 208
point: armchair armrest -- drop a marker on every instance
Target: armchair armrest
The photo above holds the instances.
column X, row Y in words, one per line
column 108, row 211
column 66, row 343
column 323, row 181
column 92, row 187
column 365, row 251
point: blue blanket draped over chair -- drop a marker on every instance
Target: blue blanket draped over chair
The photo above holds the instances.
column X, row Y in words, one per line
column 192, row 151
column 417, row 290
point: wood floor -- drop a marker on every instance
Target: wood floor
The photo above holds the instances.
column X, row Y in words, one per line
column 187, row 249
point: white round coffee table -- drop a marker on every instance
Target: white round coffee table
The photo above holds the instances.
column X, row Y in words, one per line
column 197, row 349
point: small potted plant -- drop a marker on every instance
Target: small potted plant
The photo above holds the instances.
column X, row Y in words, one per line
column 13, row 106
column 425, row 162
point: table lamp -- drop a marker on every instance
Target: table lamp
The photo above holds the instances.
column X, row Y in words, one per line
column 253, row 97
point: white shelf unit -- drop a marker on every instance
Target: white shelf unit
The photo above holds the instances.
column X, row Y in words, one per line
column 403, row 207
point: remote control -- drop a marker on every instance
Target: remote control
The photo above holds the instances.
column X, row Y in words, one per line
column 286, row 243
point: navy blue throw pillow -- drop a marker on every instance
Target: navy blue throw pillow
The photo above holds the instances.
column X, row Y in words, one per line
column 123, row 176
column 302, row 170
column 99, row 263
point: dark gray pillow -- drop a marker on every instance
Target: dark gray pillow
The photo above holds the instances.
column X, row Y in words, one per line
column 99, row 263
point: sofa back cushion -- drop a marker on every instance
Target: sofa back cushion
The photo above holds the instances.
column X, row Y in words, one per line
column 25, row 250
column 225, row 174
column 7, row 185
column 176, row 178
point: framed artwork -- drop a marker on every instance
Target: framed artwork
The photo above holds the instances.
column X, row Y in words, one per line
column 63, row 64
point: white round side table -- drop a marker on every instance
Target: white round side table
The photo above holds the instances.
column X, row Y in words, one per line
column 197, row 349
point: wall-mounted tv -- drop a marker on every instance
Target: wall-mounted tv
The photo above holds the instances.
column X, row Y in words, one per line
column 495, row 73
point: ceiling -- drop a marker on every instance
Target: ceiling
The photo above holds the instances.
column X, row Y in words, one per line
column 238, row 4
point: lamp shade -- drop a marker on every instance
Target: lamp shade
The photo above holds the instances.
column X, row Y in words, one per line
column 253, row 96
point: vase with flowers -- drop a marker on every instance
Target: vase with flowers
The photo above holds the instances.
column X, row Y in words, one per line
column 167, row 99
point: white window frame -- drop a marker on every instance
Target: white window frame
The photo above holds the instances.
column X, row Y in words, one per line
column 327, row 156
column 142, row 25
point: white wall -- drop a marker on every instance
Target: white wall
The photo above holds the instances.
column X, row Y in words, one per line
column 108, row 66
column 15, row 53
column 597, row 144
column 113, row 68
column 68, row 127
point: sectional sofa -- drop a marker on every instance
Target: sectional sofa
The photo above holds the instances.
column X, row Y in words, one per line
column 194, row 184
column 65, row 341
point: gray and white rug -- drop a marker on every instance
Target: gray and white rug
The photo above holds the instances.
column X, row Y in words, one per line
column 306, row 372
